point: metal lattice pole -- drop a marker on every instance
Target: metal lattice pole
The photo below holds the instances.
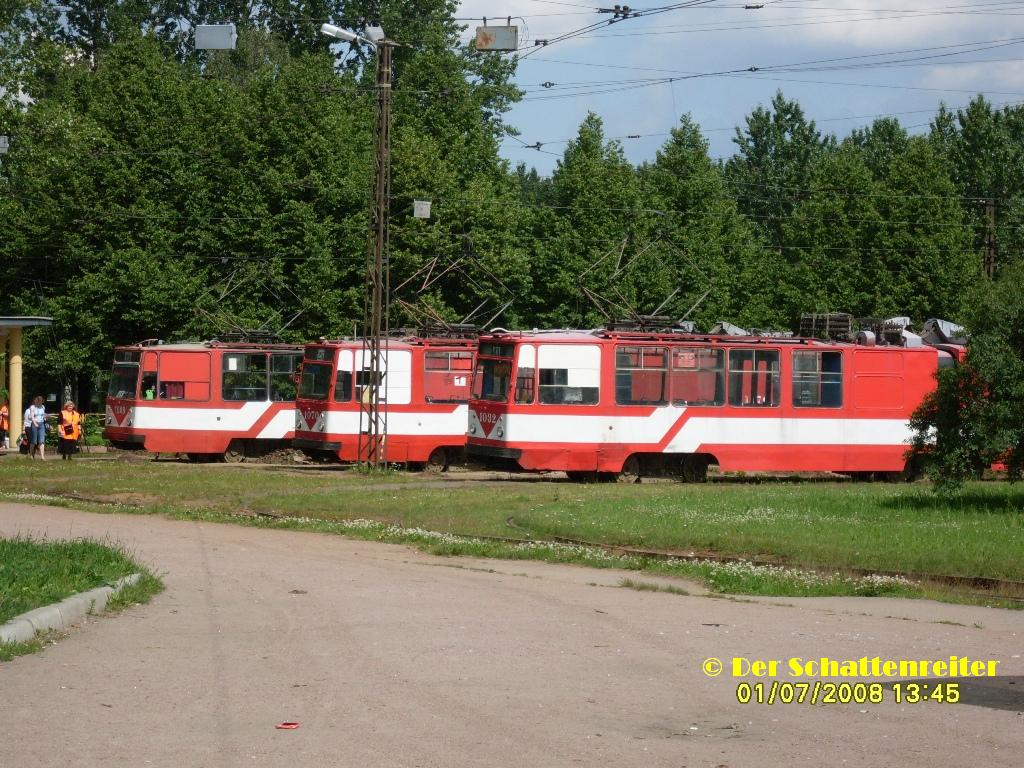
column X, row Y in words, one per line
column 373, row 418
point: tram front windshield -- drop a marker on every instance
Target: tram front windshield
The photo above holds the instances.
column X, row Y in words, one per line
column 493, row 373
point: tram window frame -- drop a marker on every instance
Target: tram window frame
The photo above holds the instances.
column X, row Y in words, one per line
column 810, row 381
column 117, row 378
column 439, row 381
column 344, row 386
column 148, row 382
column 485, row 379
column 310, row 368
column 678, row 370
column 771, row 376
column 526, row 386
column 553, row 388
column 244, row 386
column 278, row 375
column 633, row 359
column 576, row 384
column 363, row 384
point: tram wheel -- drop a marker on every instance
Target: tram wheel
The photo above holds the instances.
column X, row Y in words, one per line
column 693, row 469
column 235, row 454
column 630, row 472
column 437, row 461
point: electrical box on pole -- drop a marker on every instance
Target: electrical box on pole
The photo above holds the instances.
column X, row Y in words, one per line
column 497, row 38
column 216, row 37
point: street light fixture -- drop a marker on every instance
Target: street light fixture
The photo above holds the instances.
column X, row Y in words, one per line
column 373, row 435
column 343, row 34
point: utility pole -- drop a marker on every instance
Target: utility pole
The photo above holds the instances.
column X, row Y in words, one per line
column 373, row 420
column 373, row 425
column 989, row 261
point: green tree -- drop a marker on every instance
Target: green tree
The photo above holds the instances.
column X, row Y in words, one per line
column 976, row 416
column 149, row 194
column 704, row 244
column 985, row 150
column 590, row 234
column 833, row 241
column 771, row 171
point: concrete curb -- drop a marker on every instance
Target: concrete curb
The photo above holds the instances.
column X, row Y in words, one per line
column 68, row 611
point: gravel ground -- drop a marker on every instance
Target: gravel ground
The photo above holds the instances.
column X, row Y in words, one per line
column 388, row 657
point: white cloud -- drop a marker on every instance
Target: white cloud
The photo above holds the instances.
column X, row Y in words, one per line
column 725, row 37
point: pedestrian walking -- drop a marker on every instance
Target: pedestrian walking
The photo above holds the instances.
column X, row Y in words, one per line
column 69, row 430
column 35, row 428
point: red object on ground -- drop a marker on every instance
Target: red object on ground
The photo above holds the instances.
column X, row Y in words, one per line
column 286, row 726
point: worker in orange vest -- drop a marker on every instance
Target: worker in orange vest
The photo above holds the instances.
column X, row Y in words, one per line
column 69, row 430
column 5, row 426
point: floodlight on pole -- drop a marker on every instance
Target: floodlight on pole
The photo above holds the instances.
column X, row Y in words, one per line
column 373, row 419
column 343, row 34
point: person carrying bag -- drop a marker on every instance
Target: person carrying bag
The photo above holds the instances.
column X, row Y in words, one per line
column 69, row 430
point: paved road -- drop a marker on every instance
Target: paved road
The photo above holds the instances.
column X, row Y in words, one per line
column 388, row 657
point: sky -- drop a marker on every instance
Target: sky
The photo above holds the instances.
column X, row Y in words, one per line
column 912, row 56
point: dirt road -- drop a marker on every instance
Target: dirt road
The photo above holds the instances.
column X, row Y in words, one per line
column 387, row 657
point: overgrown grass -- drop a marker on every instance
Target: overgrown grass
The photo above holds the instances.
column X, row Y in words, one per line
column 812, row 535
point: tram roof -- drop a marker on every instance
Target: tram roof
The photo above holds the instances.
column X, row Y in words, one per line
column 571, row 336
column 205, row 346
column 405, row 342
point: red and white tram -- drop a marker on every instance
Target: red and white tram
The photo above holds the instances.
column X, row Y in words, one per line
column 424, row 394
column 207, row 399
column 635, row 403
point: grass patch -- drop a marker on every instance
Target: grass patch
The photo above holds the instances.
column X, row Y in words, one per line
column 811, row 535
column 138, row 593
column 35, row 573
column 9, row 650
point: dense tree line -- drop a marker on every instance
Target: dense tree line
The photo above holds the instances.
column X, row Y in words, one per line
column 153, row 191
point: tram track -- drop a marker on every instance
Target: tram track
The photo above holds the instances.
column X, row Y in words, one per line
column 1007, row 589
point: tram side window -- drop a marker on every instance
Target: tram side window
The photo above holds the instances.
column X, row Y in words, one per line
column 525, row 385
column 641, row 375
column 343, row 387
column 817, row 379
column 446, row 376
column 282, row 377
column 363, row 381
column 148, row 389
column 754, row 378
column 569, row 374
column 698, row 376
column 244, row 377
column 171, row 390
